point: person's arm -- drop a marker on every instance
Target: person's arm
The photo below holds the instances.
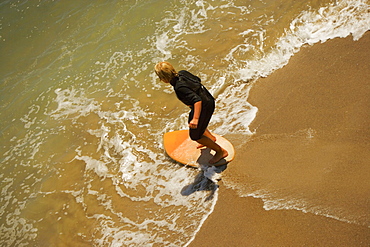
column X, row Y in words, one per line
column 197, row 110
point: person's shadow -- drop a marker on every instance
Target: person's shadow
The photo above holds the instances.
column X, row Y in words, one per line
column 205, row 180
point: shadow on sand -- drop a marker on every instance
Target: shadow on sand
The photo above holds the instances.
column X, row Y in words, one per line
column 205, row 180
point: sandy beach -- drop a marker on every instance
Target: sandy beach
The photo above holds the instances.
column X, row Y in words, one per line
column 312, row 136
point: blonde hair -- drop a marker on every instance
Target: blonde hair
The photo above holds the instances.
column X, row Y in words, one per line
column 165, row 71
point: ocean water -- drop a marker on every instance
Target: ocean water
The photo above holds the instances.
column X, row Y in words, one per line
column 83, row 114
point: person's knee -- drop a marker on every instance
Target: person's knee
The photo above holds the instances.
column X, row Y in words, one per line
column 195, row 136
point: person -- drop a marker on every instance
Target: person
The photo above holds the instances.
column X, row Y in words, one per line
column 191, row 92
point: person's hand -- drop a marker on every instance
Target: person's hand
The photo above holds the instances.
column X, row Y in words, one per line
column 193, row 123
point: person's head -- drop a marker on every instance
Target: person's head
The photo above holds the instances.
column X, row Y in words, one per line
column 165, row 71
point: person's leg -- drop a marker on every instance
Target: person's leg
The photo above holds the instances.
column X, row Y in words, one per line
column 203, row 136
column 208, row 134
column 220, row 152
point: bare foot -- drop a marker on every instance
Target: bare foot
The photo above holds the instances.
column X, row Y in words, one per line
column 218, row 156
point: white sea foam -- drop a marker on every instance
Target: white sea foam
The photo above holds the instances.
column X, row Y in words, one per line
column 340, row 19
column 304, row 205
column 73, row 102
column 336, row 20
column 123, row 157
column 234, row 115
column 16, row 229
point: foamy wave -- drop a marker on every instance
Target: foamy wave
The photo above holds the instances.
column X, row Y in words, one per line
column 118, row 148
column 15, row 228
column 72, row 102
column 232, row 114
column 336, row 20
column 305, row 206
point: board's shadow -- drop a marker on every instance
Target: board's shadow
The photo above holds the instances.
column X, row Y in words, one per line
column 205, row 180
column 206, row 155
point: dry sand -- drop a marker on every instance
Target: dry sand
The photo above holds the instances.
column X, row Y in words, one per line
column 316, row 112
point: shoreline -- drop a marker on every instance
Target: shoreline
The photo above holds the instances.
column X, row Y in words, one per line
column 315, row 111
column 242, row 221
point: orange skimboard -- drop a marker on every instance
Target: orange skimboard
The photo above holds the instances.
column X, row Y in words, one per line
column 181, row 148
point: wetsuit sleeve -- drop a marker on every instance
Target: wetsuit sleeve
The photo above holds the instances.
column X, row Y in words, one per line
column 187, row 96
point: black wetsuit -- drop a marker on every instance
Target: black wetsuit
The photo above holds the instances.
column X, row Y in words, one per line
column 189, row 90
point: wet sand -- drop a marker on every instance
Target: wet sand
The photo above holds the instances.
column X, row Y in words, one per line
column 316, row 112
